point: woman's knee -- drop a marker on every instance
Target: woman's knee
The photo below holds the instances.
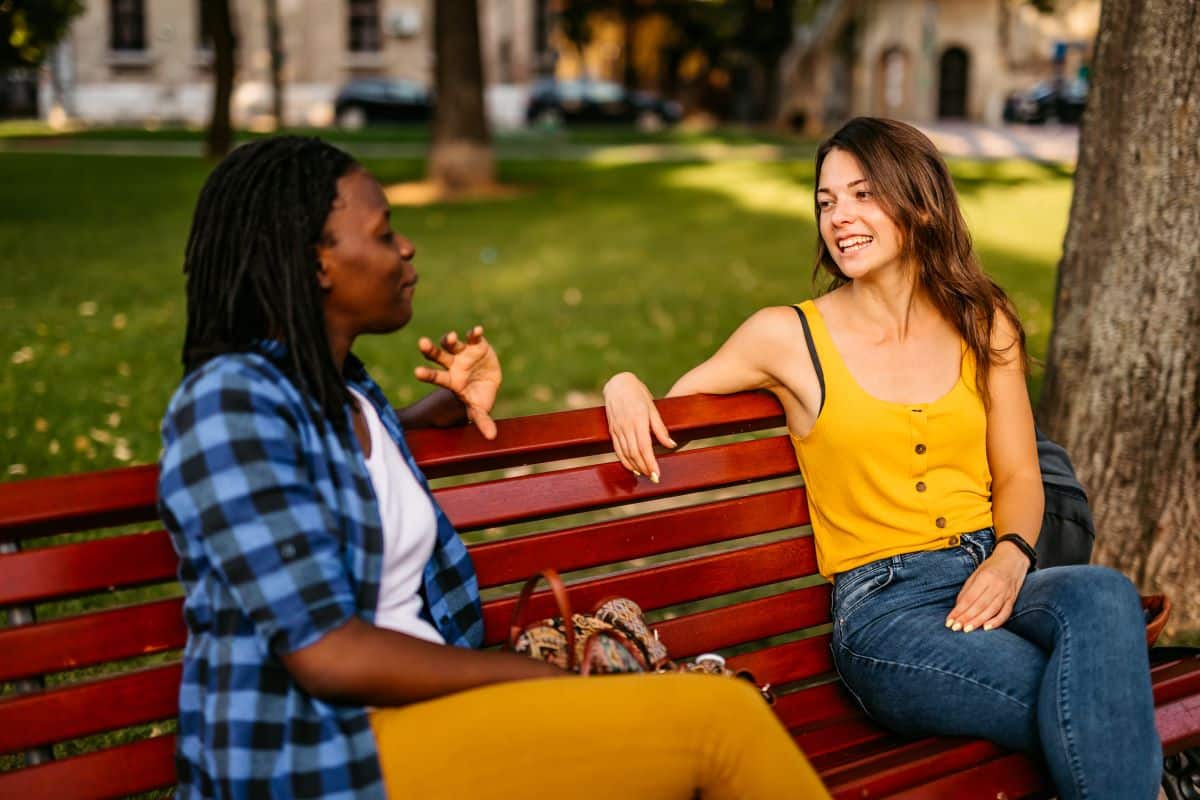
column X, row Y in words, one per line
column 1094, row 593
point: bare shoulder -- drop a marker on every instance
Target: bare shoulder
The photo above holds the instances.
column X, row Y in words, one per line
column 1007, row 340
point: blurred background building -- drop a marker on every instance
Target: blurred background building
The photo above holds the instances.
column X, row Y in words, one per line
column 808, row 64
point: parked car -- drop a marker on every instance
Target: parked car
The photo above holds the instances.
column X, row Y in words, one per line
column 555, row 101
column 367, row 101
column 1053, row 99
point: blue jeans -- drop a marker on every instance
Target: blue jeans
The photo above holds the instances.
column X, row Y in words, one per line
column 1067, row 677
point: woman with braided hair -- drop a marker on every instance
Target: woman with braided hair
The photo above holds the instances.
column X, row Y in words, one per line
column 333, row 614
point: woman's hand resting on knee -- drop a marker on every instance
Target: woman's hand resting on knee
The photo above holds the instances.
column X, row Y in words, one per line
column 987, row 597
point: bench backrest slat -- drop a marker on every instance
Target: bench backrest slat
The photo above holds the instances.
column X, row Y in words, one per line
column 571, row 434
column 748, row 621
column 116, row 772
column 532, row 497
column 54, row 715
column 72, row 569
column 650, row 534
column 86, row 639
column 666, row 585
column 78, row 502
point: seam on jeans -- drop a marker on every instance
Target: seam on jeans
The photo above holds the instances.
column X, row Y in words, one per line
column 1066, row 738
column 926, row 668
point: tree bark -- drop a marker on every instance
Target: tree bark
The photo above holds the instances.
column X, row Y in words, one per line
column 275, row 45
column 460, row 157
column 1122, row 388
column 219, row 138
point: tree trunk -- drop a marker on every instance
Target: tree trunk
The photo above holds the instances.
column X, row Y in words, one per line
column 1122, row 388
column 275, row 45
column 219, row 139
column 460, row 157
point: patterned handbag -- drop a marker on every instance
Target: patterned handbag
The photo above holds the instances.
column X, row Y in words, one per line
column 613, row 638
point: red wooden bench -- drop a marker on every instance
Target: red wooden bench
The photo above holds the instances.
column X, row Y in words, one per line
column 717, row 552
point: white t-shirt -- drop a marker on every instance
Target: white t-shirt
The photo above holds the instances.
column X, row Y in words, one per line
column 409, row 532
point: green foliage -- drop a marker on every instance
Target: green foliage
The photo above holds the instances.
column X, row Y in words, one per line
column 30, row 28
column 597, row 267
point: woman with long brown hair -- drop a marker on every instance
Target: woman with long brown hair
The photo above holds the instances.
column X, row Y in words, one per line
column 903, row 387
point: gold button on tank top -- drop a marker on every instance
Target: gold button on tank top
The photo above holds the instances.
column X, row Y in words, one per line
column 887, row 478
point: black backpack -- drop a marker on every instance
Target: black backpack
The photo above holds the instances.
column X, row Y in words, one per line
column 1068, row 531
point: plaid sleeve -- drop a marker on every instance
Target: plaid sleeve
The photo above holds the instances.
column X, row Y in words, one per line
column 235, row 482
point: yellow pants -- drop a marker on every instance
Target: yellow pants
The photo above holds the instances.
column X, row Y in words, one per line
column 625, row 737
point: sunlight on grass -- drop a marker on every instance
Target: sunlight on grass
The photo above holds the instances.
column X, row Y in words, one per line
column 597, row 268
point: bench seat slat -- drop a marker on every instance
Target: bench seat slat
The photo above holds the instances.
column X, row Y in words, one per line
column 72, row 569
column 816, row 703
column 744, row 622
column 608, row 542
column 1013, row 775
column 115, row 772
column 882, row 767
column 532, row 497
column 1179, row 724
column 827, row 736
column 55, row 715
column 1176, row 679
column 679, row 582
column 87, row 639
column 571, row 434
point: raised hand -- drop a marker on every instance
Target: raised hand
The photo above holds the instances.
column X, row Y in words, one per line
column 632, row 417
column 470, row 369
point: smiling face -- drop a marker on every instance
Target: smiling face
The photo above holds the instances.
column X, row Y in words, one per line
column 367, row 277
column 858, row 233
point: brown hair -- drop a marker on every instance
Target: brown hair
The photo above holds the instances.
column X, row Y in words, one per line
column 913, row 185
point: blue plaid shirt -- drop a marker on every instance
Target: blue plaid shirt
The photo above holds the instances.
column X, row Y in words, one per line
column 280, row 542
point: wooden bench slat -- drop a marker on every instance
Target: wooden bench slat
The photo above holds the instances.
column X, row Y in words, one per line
column 678, row 582
column 115, row 772
column 816, row 703
column 55, row 715
column 92, row 638
column 1176, row 679
column 880, row 768
column 72, row 569
column 1013, row 775
column 571, row 434
column 785, row 663
column 1178, row 724
column 532, row 497
column 827, row 736
column 611, row 541
column 743, row 622
column 78, row 502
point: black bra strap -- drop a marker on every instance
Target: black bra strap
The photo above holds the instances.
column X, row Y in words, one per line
column 812, row 351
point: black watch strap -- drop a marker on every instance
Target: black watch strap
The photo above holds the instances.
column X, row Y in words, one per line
column 1023, row 546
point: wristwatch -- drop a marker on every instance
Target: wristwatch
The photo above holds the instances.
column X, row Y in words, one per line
column 1023, row 546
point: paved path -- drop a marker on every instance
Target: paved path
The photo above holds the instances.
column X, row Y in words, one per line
column 1040, row 142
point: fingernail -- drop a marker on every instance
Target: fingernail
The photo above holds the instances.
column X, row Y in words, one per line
column 635, row 472
column 968, row 629
column 949, row 622
column 956, row 627
column 987, row 626
column 672, row 441
column 654, row 477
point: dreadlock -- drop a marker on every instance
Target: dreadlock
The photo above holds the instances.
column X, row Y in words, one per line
column 251, row 260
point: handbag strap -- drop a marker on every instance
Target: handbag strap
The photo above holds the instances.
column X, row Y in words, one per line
column 564, row 611
column 593, row 641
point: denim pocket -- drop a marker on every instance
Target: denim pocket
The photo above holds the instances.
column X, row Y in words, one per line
column 858, row 586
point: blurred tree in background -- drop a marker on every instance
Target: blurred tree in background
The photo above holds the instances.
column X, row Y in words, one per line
column 1122, row 389
column 29, row 29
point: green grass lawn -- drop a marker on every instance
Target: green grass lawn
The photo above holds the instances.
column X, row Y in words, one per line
column 599, row 267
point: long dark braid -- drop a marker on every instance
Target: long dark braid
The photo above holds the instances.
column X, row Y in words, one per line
column 251, row 260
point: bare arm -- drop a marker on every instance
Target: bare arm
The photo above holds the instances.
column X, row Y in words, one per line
column 987, row 598
column 742, row 363
column 366, row 665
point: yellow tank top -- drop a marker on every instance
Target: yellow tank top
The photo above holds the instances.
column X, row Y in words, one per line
column 887, row 478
